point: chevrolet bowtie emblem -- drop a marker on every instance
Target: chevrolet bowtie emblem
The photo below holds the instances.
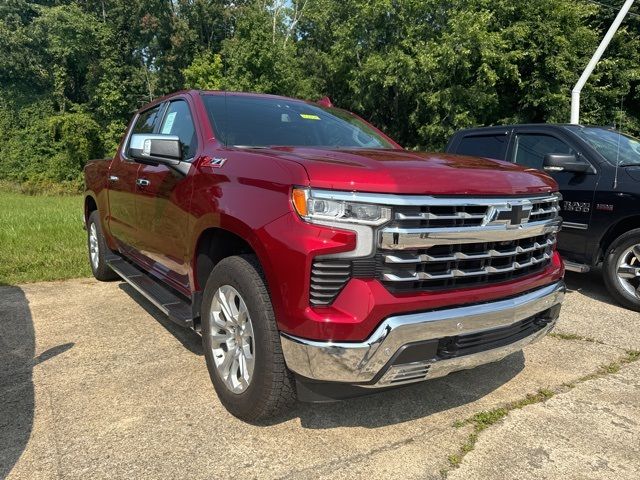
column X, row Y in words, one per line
column 513, row 217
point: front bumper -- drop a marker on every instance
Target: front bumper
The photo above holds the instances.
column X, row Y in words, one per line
column 418, row 346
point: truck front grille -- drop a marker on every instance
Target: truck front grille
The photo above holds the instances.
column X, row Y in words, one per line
column 437, row 243
column 450, row 266
column 456, row 243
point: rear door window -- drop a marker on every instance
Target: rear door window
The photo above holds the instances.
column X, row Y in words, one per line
column 531, row 149
column 489, row 146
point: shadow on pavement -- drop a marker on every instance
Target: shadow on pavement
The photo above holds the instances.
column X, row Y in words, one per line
column 409, row 403
column 17, row 349
column 189, row 339
column 589, row 284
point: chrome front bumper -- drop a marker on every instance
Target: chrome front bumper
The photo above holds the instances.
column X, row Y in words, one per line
column 370, row 363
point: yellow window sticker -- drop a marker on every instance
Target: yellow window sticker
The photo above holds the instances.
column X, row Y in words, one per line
column 308, row 116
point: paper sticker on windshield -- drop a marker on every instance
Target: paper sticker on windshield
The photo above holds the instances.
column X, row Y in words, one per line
column 168, row 123
column 309, row 116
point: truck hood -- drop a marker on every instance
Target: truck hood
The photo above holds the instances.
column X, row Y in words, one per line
column 406, row 172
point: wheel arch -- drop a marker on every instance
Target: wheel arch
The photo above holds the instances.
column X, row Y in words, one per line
column 617, row 229
column 90, row 205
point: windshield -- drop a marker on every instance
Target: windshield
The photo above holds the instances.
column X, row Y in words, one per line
column 617, row 148
column 246, row 121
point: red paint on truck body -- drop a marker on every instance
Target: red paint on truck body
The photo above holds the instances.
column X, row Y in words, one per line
column 249, row 196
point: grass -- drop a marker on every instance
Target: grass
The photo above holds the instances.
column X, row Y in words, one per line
column 41, row 238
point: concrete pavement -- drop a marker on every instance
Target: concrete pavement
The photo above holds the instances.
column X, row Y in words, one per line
column 95, row 383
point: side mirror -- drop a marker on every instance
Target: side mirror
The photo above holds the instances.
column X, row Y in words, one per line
column 562, row 162
column 154, row 149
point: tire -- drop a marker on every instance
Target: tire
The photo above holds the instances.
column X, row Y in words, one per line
column 621, row 270
column 260, row 386
column 98, row 250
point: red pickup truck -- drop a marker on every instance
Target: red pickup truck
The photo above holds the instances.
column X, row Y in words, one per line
column 319, row 259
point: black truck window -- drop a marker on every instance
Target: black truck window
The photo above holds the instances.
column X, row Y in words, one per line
column 489, row 146
column 531, row 149
column 178, row 121
column 147, row 120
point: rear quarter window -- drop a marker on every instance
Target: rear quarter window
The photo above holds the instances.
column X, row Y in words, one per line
column 490, row 146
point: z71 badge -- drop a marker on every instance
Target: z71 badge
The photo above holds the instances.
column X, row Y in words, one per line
column 583, row 207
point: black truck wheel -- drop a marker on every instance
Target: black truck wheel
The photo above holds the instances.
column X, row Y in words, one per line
column 622, row 269
column 242, row 343
column 97, row 247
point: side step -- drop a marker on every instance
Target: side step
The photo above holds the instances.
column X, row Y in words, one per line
column 177, row 309
column 576, row 267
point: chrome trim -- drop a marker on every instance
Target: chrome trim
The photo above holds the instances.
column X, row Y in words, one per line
column 445, row 367
column 458, row 272
column 576, row 226
column 434, row 216
column 364, row 239
column 396, row 238
column 425, row 258
column 360, row 362
column 426, row 200
column 576, row 267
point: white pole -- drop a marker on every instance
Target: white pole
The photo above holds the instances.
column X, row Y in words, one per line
column 575, row 93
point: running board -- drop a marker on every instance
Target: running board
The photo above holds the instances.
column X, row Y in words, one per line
column 576, row 267
column 177, row 309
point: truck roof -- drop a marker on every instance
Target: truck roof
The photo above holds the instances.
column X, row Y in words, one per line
column 537, row 125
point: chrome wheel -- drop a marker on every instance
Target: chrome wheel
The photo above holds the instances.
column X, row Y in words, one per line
column 232, row 342
column 93, row 246
column 628, row 270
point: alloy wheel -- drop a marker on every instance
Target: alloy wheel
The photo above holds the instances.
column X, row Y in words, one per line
column 232, row 340
column 628, row 270
column 94, row 249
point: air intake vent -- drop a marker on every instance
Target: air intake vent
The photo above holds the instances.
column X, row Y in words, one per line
column 405, row 373
column 327, row 279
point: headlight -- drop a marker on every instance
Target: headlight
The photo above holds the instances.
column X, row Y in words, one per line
column 318, row 206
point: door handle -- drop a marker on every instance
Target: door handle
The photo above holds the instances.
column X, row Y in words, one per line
column 113, row 178
column 143, row 182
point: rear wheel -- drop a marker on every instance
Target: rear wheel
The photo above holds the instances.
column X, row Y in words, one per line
column 242, row 343
column 622, row 269
column 98, row 250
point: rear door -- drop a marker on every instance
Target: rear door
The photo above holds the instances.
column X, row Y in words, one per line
column 163, row 197
column 528, row 148
column 123, row 218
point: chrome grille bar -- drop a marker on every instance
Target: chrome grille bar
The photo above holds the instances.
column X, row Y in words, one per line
column 492, row 253
column 397, row 238
column 457, row 272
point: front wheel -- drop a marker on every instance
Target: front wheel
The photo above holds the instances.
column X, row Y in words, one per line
column 622, row 269
column 242, row 343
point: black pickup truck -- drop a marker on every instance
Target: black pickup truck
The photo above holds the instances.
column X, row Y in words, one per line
column 598, row 170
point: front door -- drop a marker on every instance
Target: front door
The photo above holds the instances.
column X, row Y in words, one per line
column 578, row 189
column 163, row 197
column 123, row 174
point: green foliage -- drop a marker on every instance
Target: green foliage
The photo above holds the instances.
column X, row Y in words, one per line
column 72, row 73
column 56, row 242
column 205, row 72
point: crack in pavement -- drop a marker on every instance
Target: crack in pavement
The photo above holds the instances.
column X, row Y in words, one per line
column 482, row 420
